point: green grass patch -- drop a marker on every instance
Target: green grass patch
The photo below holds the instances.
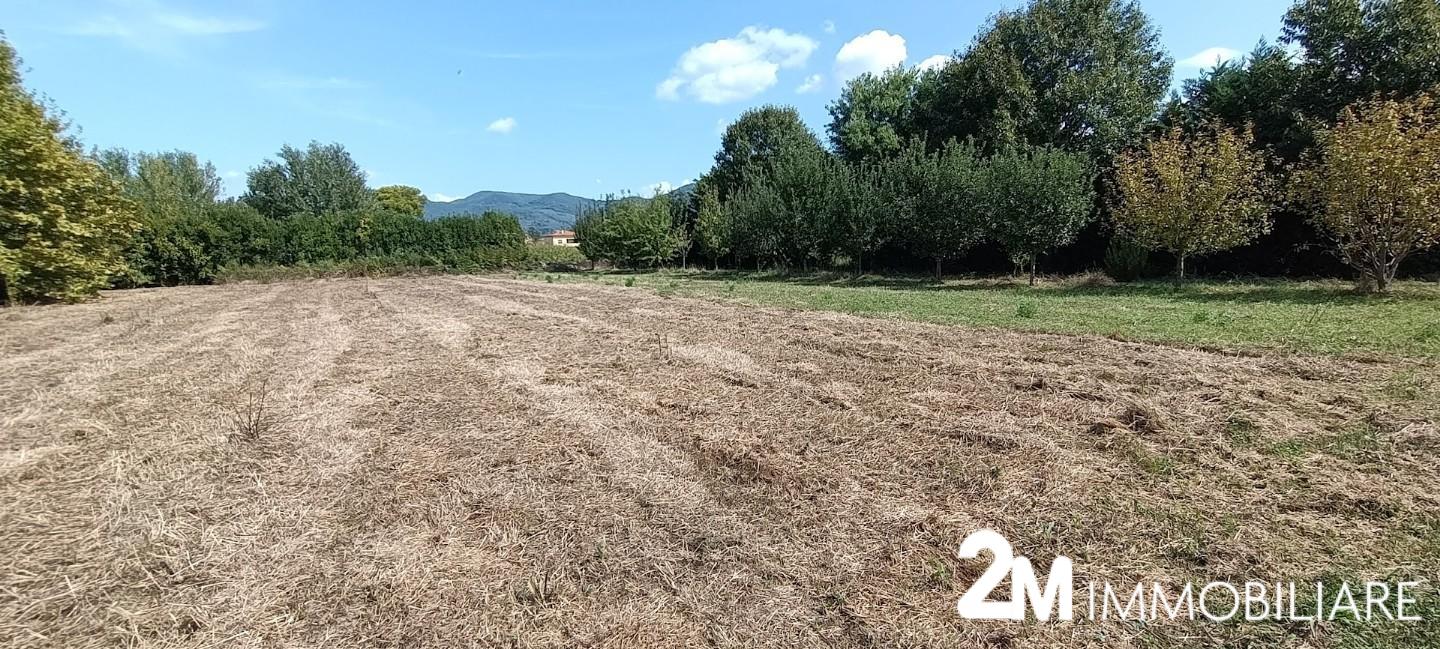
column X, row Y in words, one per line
column 1290, row 449
column 1357, row 442
column 1324, row 317
column 1241, row 431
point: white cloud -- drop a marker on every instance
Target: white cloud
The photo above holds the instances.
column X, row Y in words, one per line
column 732, row 69
column 442, row 198
column 811, row 84
column 502, row 125
column 874, row 52
column 828, row 27
column 150, row 26
column 932, row 62
column 663, row 187
column 669, row 89
column 1209, row 57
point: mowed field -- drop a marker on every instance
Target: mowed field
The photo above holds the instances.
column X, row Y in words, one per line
column 472, row 461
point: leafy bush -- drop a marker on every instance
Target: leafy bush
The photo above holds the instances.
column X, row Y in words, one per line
column 1125, row 260
column 554, row 258
column 629, row 233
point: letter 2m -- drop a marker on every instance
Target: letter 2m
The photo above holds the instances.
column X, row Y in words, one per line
column 1023, row 583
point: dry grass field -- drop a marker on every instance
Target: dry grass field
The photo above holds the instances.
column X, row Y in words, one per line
column 470, row 461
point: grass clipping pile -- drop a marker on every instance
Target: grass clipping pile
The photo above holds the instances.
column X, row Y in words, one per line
column 482, row 462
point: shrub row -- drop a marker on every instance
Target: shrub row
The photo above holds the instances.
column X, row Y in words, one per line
column 194, row 249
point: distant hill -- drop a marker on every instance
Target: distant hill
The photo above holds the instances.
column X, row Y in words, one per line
column 534, row 211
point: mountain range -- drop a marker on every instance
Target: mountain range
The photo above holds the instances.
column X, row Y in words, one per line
column 543, row 212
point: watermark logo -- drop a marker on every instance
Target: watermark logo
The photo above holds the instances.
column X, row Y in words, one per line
column 1052, row 596
column 1024, row 584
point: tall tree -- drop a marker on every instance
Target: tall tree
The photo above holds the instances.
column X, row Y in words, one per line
column 785, row 208
column 712, row 223
column 874, row 115
column 1038, row 199
column 1353, row 49
column 322, row 179
column 756, row 139
column 1257, row 92
column 937, row 200
column 1376, row 182
column 165, row 186
column 63, row 221
column 401, row 199
column 1082, row 75
column 1192, row 194
column 856, row 222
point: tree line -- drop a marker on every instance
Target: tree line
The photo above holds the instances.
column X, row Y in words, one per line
column 308, row 206
column 1049, row 139
column 73, row 222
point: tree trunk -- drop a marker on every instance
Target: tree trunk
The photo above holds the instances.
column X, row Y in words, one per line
column 939, row 270
column 1382, row 277
column 1032, row 271
column 1180, row 267
column 4, row 291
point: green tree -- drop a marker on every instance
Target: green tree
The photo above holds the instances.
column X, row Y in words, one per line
column 1257, row 92
column 63, row 221
column 1376, row 181
column 246, row 237
column 1192, row 194
column 873, row 116
column 1038, row 199
column 937, row 200
column 629, row 232
column 756, row 139
column 784, row 213
column 164, row 186
column 322, row 179
column 856, row 226
column 1354, row 49
column 173, row 192
column 1083, row 75
column 401, row 199
column 712, row 223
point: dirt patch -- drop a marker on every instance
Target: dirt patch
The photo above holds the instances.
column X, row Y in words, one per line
column 488, row 462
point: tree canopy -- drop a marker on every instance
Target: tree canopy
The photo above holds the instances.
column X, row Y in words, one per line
column 1376, row 185
column 1192, row 194
column 165, row 185
column 758, row 137
column 63, row 221
column 401, row 199
column 873, row 115
column 321, row 179
column 1037, row 199
column 1081, row 75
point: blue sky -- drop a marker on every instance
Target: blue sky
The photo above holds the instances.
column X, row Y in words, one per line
column 519, row 96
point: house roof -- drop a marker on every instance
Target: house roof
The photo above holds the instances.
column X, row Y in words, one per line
column 558, row 233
